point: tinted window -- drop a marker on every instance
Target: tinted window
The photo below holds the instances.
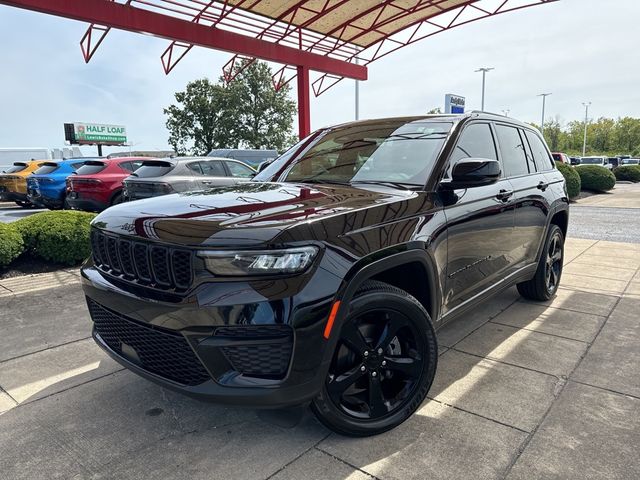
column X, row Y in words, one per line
column 154, row 169
column 17, row 167
column 90, row 168
column 540, row 152
column 476, row 141
column 239, row 170
column 195, row 167
column 383, row 151
column 514, row 160
column 131, row 166
column 213, row 169
column 46, row 168
column 556, row 156
column 76, row 166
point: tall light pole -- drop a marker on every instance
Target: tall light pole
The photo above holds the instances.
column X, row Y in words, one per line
column 484, row 71
column 357, row 107
column 544, row 100
column 586, row 120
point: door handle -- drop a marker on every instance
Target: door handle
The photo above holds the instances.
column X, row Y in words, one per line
column 504, row 195
column 542, row 186
column 207, row 182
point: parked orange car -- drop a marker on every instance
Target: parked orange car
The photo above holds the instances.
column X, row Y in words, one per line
column 13, row 182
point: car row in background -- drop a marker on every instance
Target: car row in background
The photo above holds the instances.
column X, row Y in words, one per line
column 13, row 182
column 606, row 162
column 182, row 174
column 96, row 183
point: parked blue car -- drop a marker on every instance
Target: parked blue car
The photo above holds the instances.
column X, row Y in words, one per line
column 47, row 186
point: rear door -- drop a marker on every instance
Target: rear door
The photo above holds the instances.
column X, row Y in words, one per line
column 529, row 184
column 480, row 224
column 215, row 174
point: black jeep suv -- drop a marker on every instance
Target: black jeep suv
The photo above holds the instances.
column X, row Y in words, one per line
column 325, row 279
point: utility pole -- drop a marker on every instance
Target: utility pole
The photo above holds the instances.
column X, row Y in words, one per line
column 586, row 120
column 544, row 98
column 484, row 71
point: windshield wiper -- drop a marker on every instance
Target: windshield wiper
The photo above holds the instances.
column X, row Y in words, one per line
column 401, row 185
column 319, row 181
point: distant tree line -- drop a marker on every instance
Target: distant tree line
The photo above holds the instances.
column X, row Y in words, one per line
column 605, row 136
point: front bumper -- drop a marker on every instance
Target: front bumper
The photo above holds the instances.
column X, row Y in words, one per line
column 225, row 343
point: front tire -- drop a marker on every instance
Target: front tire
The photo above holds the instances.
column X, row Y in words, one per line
column 383, row 365
column 546, row 281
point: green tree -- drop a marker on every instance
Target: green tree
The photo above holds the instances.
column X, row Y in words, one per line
column 264, row 115
column 248, row 112
column 199, row 121
column 553, row 134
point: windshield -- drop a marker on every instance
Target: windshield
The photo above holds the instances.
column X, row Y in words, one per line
column 46, row 168
column 17, row 167
column 592, row 161
column 153, row 169
column 391, row 151
column 91, row 167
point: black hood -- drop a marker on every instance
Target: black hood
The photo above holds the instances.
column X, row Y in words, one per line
column 247, row 214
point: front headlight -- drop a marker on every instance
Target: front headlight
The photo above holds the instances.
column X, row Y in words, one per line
column 263, row 262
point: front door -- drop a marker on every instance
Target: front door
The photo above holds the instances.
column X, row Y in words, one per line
column 480, row 224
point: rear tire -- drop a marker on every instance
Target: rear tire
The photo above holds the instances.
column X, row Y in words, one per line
column 117, row 198
column 383, row 365
column 545, row 282
column 24, row 204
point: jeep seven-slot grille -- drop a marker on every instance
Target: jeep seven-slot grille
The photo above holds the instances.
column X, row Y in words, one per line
column 151, row 265
column 156, row 350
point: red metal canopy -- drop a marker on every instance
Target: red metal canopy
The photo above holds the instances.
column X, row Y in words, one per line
column 337, row 38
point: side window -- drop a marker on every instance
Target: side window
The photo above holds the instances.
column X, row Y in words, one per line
column 476, row 141
column 76, row 166
column 213, row 168
column 531, row 162
column 512, row 149
column 239, row 170
column 540, row 152
column 195, row 168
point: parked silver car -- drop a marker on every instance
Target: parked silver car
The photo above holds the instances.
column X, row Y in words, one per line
column 184, row 174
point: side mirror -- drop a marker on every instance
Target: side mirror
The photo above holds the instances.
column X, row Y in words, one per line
column 264, row 165
column 473, row 172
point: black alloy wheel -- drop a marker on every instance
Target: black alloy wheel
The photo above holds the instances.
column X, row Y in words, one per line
column 383, row 364
column 546, row 280
column 554, row 262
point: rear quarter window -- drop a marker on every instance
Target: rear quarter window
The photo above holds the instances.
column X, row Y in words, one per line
column 541, row 155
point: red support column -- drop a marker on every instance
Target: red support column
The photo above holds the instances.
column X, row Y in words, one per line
column 304, row 107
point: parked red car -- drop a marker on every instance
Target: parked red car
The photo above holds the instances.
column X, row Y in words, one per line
column 561, row 157
column 98, row 183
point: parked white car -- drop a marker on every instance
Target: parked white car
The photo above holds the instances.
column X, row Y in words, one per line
column 602, row 161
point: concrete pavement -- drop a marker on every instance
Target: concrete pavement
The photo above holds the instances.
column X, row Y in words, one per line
column 10, row 212
column 523, row 390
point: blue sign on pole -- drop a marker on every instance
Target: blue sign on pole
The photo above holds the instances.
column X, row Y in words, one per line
column 453, row 103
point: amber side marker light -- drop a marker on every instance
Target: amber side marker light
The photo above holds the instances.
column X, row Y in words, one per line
column 331, row 319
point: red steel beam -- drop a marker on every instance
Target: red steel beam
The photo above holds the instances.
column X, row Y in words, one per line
column 304, row 104
column 137, row 20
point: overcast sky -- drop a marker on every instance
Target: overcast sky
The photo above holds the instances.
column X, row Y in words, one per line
column 577, row 49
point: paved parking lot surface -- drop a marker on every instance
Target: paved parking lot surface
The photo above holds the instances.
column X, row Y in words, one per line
column 10, row 212
column 522, row 391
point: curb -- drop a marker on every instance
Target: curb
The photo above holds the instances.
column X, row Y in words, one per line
column 39, row 281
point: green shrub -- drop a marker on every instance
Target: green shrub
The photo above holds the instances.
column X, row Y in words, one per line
column 11, row 245
column 571, row 177
column 596, row 178
column 59, row 236
column 630, row 173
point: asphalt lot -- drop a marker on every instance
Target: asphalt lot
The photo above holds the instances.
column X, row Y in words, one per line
column 523, row 391
column 10, row 212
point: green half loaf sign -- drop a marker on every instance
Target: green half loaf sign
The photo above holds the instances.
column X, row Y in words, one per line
column 100, row 134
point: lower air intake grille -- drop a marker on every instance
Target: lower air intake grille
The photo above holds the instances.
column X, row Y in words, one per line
column 269, row 353
column 159, row 351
